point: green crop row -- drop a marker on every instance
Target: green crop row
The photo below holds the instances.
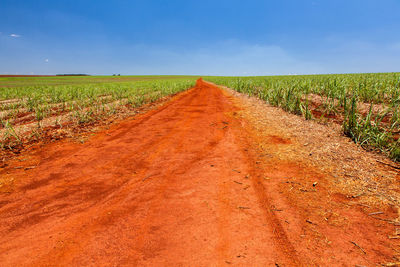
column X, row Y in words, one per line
column 81, row 102
column 367, row 105
column 70, row 80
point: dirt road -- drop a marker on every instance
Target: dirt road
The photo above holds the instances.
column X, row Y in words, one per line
column 182, row 185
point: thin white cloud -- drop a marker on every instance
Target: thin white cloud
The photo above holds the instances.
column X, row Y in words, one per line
column 345, row 55
column 46, row 60
column 223, row 58
column 15, row 35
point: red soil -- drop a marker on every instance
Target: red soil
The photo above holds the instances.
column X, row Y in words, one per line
column 181, row 185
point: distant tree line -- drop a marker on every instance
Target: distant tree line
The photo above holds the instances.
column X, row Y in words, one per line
column 72, row 74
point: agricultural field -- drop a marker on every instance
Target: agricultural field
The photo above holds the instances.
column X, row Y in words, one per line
column 27, row 80
column 30, row 106
column 114, row 173
column 212, row 133
column 366, row 105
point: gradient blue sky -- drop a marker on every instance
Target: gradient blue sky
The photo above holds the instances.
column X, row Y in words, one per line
column 219, row 37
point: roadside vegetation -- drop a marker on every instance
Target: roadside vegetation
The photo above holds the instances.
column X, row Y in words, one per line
column 366, row 105
column 26, row 111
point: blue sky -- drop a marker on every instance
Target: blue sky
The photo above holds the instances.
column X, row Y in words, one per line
column 220, row 37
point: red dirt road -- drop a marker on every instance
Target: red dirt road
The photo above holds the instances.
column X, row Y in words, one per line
column 178, row 186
